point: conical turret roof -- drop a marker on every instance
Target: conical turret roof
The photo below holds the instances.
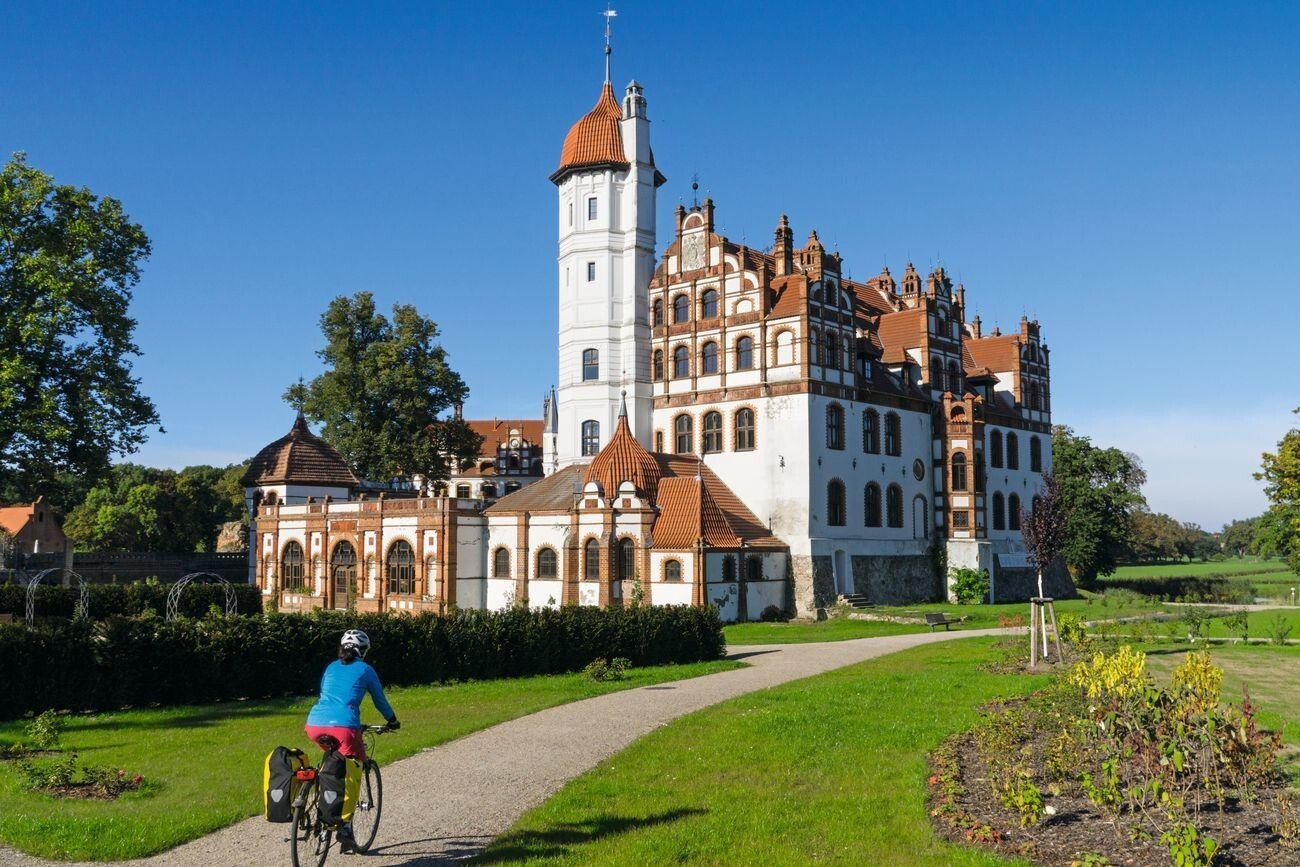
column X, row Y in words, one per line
column 299, row 458
column 624, row 459
column 595, row 140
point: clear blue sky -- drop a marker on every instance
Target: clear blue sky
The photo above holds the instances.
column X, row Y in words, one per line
column 1128, row 173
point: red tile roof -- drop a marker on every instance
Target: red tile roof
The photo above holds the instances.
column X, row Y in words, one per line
column 720, row 518
column 558, row 492
column 595, row 139
column 14, row 518
column 995, row 353
column 624, row 459
column 496, row 431
column 299, row 458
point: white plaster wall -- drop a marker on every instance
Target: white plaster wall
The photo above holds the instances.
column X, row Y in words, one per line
column 470, row 593
column 500, row 593
column 670, row 594
column 760, row 594
column 545, row 594
column 588, row 593
column 471, row 553
column 657, row 559
column 726, row 597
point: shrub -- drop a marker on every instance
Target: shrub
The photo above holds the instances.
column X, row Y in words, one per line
column 1278, row 629
column 1239, row 623
column 1071, row 629
column 142, row 661
column 53, row 600
column 43, row 731
column 602, row 670
column 970, row 586
column 774, row 614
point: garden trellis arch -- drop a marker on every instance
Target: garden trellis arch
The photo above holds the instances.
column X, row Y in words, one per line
column 83, row 600
column 174, row 595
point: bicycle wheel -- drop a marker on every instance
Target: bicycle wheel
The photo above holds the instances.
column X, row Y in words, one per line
column 309, row 842
column 370, row 803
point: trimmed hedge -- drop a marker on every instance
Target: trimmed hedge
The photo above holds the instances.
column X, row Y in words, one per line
column 140, row 661
column 1214, row 587
column 54, row 600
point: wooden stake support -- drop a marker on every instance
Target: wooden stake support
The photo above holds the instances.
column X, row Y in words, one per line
column 1041, row 613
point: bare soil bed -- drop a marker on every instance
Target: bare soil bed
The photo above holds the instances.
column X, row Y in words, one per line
column 966, row 809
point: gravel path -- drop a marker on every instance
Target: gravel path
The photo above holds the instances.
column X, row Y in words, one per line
column 444, row 804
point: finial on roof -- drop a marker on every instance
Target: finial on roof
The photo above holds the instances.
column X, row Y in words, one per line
column 609, row 14
column 622, row 410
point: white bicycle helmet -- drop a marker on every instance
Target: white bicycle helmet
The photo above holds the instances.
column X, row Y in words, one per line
column 357, row 640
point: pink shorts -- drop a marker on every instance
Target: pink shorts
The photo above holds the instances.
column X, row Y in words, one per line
column 350, row 741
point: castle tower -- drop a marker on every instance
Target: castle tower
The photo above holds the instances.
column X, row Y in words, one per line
column 606, row 185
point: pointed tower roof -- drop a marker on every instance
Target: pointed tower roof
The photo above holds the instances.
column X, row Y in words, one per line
column 299, row 458
column 595, row 140
column 624, row 459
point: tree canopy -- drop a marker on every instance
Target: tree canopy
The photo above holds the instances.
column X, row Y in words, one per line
column 69, row 261
column 139, row 508
column 1280, row 473
column 1101, row 489
column 385, row 392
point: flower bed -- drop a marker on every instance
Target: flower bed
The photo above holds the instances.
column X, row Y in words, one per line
column 1103, row 767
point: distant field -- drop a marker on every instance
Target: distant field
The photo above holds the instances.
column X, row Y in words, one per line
column 1245, row 566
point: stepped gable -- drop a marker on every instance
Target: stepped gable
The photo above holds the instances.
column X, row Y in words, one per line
column 719, row 517
column 556, row 493
column 299, row 458
column 624, row 459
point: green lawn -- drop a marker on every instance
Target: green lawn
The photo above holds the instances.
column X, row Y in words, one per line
column 830, row 769
column 203, row 765
column 1244, row 566
column 837, row 628
column 1259, row 623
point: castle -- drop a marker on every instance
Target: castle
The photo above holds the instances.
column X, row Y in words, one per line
column 731, row 426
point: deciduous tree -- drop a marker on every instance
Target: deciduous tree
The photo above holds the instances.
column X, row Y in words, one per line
column 69, row 402
column 1280, row 473
column 385, row 392
column 1101, row 489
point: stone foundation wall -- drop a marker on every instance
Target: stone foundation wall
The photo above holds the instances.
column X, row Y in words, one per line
column 895, row 580
column 813, row 583
column 1018, row 585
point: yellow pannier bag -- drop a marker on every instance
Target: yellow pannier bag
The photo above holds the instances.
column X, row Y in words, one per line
column 280, row 783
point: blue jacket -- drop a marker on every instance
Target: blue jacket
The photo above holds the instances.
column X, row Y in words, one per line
column 342, row 688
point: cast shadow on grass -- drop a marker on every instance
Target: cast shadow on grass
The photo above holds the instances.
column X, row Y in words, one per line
column 532, row 845
column 749, row 653
column 184, row 716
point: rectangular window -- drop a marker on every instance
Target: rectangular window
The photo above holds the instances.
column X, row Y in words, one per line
column 570, row 213
column 590, row 364
column 591, row 272
column 591, row 208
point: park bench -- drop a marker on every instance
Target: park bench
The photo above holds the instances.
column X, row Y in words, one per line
column 934, row 618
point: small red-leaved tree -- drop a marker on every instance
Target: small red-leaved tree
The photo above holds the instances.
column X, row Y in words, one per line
column 1044, row 527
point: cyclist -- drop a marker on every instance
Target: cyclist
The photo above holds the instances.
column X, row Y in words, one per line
column 338, row 712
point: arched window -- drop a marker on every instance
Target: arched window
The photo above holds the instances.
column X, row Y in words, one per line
column 712, row 432
column 784, row 348
column 893, row 434
column 835, row 505
column 657, row 365
column 814, row 348
column 954, row 377
column 744, row 430
column 683, row 441
column 292, row 572
column 979, row 472
column 708, row 304
column 1035, row 454
column 995, row 449
column 501, row 563
column 463, row 492
column 590, row 364
column 959, row 472
column 590, row 437
column 681, row 363
column 999, row 515
column 1013, row 512
column 399, row 567
column 872, row 501
column 626, row 560
column 894, row 506
column 1013, row 452
column 834, row 426
column 744, row 353
column 871, row 431
column 936, row 373
column 343, row 566
column 709, row 358
column 672, row 570
column 657, row 313
column 591, row 560
column 547, row 564
column 681, row 309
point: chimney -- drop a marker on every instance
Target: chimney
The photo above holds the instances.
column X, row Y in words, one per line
column 783, row 250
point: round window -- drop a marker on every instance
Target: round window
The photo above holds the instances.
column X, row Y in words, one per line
column 918, row 468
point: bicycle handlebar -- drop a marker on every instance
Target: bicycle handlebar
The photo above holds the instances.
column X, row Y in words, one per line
column 376, row 730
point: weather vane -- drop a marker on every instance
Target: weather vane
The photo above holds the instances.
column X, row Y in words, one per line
column 609, row 14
